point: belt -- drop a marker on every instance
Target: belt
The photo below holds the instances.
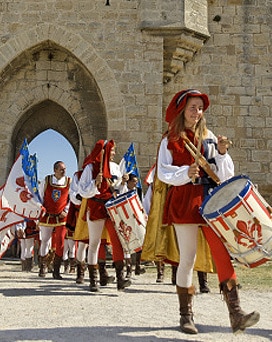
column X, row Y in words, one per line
column 52, row 215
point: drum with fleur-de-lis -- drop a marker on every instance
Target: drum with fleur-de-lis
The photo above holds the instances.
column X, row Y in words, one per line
column 129, row 217
column 241, row 218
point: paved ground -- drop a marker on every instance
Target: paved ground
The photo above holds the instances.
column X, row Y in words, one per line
column 35, row 309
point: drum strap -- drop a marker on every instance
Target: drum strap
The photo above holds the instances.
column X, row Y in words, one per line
column 100, row 200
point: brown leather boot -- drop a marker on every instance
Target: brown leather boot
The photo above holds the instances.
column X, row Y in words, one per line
column 185, row 295
column 57, row 265
column 160, row 271
column 203, row 282
column 50, row 261
column 80, row 272
column 128, row 265
column 43, row 266
column 174, row 274
column 29, row 264
column 93, row 278
column 66, row 266
column 239, row 320
column 105, row 279
column 72, row 263
column 138, row 269
column 122, row 283
column 24, row 266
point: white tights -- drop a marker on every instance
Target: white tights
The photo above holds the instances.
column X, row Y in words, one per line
column 95, row 232
column 27, row 247
column 81, row 251
column 187, row 243
column 46, row 239
column 69, row 250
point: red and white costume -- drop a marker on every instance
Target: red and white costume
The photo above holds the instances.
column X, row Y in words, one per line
column 55, row 195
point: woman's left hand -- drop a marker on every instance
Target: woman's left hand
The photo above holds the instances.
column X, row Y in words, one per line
column 223, row 144
column 125, row 178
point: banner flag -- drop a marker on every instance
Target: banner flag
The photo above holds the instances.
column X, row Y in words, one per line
column 128, row 164
column 20, row 192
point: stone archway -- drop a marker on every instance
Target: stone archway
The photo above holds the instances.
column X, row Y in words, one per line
column 41, row 117
column 45, row 87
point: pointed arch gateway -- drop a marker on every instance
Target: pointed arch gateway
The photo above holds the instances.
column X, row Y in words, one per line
column 47, row 86
column 59, row 93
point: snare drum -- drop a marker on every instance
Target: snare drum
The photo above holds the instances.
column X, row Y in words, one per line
column 241, row 218
column 127, row 213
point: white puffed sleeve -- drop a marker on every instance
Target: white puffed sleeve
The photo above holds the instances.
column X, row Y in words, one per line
column 225, row 166
column 168, row 173
column 86, row 186
column 74, row 190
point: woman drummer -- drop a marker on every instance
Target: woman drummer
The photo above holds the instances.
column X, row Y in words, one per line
column 188, row 183
column 101, row 178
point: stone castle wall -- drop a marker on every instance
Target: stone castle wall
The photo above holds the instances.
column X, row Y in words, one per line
column 92, row 71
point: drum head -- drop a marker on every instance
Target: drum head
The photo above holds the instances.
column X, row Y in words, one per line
column 225, row 196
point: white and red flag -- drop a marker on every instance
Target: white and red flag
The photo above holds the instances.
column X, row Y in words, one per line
column 8, row 220
column 20, row 193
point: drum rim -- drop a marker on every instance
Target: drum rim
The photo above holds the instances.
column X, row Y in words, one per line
column 120, row 198
column 230, row 204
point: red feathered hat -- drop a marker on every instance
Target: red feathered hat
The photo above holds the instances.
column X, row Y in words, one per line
column 179, row 101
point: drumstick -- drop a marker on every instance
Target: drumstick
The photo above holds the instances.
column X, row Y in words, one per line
column 101, row 166
column 201, row 160
column 198, row 147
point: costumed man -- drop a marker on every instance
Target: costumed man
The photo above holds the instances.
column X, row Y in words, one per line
column 100, row 180
column 54, row 191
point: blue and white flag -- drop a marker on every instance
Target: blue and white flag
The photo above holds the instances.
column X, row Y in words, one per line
column 20, row 192
column 128, row 164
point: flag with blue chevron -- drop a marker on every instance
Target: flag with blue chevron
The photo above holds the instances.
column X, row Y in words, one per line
column 128, row 164
column 20, row 192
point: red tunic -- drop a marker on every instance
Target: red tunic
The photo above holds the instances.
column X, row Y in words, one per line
column 183, row 202
column 55, row 200
column 96, row 204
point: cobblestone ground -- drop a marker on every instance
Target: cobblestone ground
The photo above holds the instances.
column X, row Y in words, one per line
column 35, row 309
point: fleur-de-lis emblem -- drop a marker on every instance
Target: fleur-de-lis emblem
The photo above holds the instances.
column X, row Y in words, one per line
column 249, row 234
column 125, row 230
column 24, row 194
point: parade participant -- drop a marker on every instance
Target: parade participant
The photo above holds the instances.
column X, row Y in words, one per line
column 82, row 245
column 54, row 191
column 27, row 233
column 188, row 183
column 101, row 180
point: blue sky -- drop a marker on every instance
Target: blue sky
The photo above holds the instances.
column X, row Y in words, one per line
column 49, row 147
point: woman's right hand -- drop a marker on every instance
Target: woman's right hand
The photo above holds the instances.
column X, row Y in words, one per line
column 193, row 171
